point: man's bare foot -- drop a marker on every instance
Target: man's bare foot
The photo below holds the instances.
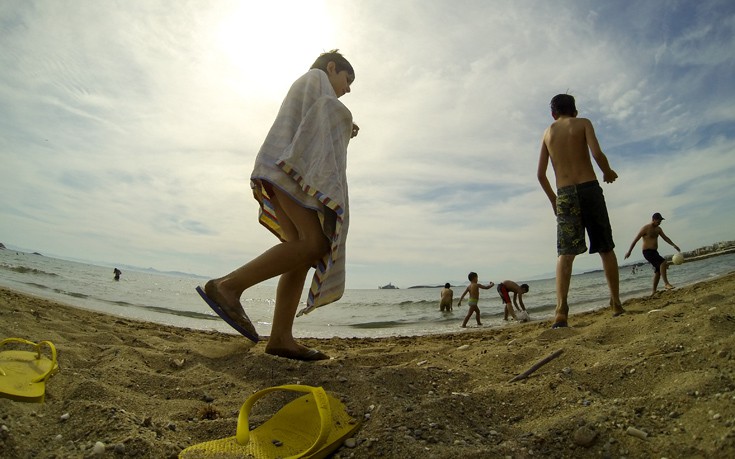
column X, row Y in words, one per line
column 560, row 321
column 617, row 309
column 668, row 286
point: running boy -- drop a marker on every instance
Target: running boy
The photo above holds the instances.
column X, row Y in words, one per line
column 474, row 290
column 299, row 180
column 580, row 204
column 650, row 233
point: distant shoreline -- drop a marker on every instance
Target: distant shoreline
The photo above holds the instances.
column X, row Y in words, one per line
column 727, row 251
column 710, row 255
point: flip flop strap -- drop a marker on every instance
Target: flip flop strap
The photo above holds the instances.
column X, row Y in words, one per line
column 322, row 405
column 51, row 369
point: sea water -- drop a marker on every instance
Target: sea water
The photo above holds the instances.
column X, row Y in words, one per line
column 172, row 300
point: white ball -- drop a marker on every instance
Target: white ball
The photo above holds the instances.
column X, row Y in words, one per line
column 678, row 259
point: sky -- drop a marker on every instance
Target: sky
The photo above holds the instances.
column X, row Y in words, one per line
column 128, row 129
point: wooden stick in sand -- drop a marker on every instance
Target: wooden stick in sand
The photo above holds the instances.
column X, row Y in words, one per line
column 537, row 365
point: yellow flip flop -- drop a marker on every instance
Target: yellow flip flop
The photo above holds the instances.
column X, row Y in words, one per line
column 312, row 426
column 23, row 374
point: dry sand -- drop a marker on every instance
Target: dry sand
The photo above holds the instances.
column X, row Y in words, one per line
column 664, row 369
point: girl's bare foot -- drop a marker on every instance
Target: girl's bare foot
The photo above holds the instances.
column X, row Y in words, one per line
column 294, row 351
column 229, row 309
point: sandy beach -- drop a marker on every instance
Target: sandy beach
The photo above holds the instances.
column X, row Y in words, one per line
column 655, row 382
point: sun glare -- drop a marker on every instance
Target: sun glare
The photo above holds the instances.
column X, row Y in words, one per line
column 267, row 44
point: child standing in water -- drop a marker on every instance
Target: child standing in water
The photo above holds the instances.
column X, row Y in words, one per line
column 474, row 290
column 299, row 180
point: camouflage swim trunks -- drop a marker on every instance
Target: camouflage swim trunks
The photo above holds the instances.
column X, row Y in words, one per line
column 579, row 208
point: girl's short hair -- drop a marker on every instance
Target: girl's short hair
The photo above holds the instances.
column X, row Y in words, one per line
column 333, row 56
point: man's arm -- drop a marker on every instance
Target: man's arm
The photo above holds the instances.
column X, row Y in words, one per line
column 665, row 238
column 543, row 164
column 608, row 175
column 635, row 241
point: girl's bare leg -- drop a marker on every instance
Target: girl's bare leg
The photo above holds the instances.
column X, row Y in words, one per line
column 304, row 245
column 299, row 225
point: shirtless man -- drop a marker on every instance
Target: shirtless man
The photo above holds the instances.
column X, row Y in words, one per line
column 446, row 297
column 504, row 289
column 650, row 233
column 580, row 204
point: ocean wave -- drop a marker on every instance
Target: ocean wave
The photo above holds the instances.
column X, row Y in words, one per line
column 163, row 310
column 39, row 286
column 25, row 270
column 419, row 303
column 72, row 294
column 381, row 324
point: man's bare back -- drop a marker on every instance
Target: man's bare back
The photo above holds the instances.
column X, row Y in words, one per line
column 568, row 142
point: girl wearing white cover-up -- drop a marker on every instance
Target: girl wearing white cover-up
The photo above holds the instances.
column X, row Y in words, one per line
column 299, row 179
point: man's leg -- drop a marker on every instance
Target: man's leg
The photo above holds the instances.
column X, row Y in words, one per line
column 664, row 267
column 656, row 277
column 612, row 274
column 563, row 278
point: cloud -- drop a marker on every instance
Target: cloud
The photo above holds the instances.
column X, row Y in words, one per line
column 129, row 130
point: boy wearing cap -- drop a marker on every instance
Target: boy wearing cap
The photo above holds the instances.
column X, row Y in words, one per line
column 650, row 233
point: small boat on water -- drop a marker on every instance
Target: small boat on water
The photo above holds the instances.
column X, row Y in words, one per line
column 389, row 286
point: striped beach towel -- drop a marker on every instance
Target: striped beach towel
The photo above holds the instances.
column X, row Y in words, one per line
column 305, row 155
